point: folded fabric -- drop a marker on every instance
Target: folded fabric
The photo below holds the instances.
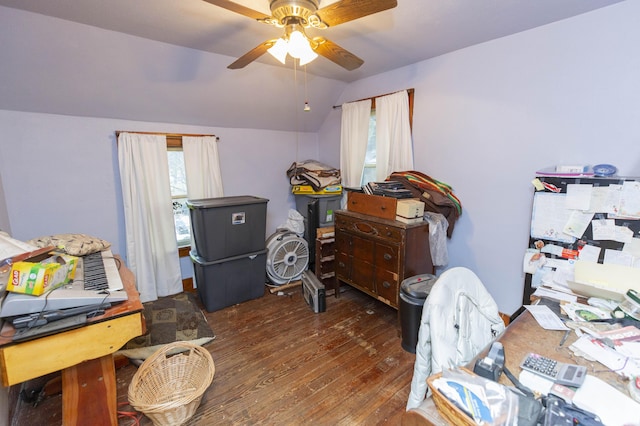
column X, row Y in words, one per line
column 314, row 173
column 437, row 196
column 73, row 244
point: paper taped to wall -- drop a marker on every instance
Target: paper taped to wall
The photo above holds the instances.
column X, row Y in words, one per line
column 610, row 277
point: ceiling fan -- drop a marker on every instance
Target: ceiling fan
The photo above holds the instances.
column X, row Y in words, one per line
column 297, row 15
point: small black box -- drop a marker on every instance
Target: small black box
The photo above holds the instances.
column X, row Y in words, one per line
column 313, row 292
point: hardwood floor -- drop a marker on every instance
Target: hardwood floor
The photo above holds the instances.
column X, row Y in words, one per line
column 279, row 363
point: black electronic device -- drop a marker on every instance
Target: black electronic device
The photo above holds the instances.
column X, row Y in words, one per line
column 313, row 292
column 558, row 372
column 491, row 366
column 46, row 317
column 561, row 413
column 50, row 328
column 312, row 224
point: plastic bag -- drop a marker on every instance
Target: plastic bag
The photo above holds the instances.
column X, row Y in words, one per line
column 486, row 401
column 438, row 238
column 294, row 223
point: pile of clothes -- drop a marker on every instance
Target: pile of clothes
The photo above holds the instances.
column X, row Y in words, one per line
column 437, row 196
column 314, row 173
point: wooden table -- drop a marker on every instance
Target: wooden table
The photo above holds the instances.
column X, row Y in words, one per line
column 522, row 336
column 83, row 354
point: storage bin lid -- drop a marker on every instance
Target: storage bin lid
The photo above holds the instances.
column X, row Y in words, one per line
column 418, row 286
column 319, row 196
column 206, row 203
column 201, row 261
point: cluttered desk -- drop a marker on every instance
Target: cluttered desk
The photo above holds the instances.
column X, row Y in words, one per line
column 604, row 390
column 49, row 332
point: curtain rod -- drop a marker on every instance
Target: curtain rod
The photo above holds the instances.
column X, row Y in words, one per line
column 374, row 97
column 165, row 134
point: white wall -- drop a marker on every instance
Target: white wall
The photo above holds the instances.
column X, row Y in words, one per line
column 4, row 214
column 487, row 117
column 60, row 173
column 61, row 67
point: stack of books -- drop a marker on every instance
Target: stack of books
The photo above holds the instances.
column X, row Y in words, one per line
column 387, row 189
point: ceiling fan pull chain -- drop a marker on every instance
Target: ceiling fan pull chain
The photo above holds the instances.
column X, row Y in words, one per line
column 306, row 92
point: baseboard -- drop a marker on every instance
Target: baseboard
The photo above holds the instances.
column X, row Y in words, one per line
column 506, row 318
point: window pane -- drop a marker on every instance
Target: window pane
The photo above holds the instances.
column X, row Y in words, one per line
column 370, row 157
column 368, row 175
column 177, row 174
column 369, row 170
column 178, row 182
column 182, row 221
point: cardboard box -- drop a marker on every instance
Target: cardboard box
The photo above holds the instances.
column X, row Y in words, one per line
column 410, row 208
column 35, row 278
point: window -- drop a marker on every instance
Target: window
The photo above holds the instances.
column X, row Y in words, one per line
column 178, row 183
column 369, row 169
column 178, row 187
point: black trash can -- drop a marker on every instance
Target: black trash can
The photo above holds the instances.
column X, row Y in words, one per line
column 413, row 292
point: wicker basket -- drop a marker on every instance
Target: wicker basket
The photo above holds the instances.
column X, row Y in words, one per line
column 452, row 414
column 169, row 385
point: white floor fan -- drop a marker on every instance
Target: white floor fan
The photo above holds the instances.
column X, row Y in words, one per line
column 287, row 257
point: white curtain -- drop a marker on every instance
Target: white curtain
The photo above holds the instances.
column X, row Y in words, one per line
column 353, row 141
column 152, row 250
column 202, row 165
column 394, row 151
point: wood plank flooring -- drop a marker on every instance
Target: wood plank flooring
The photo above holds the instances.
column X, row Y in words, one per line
column 279, row 363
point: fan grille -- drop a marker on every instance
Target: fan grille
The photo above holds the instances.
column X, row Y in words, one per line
column 287, row 257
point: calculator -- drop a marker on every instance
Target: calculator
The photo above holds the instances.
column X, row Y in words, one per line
column 558, row 372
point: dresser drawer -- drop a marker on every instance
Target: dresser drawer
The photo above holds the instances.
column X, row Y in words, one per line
column 387, row 286
column 367, row 228
column 343, row 266
column 387, row 257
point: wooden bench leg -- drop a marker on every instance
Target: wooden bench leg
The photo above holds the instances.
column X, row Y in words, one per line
column 89, row 394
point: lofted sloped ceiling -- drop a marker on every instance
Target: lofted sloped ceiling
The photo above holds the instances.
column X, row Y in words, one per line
column 58, row 58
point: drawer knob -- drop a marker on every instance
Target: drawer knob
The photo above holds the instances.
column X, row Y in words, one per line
column 389, row 233
column 386, row 284
column 387, row 256
column 341, row 264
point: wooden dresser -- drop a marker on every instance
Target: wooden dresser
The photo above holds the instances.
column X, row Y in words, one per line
column 375, row 255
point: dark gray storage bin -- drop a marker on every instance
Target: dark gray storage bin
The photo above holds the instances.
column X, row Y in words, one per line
column 327, row 206
column 230, row 281
column 228, row 226
column 413, row 292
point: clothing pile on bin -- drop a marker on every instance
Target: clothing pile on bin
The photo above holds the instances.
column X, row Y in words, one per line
column 314, row 173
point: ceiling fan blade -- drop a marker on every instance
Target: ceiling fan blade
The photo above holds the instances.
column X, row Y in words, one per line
column 348, row 10
column 238, row 8
column 251, row 55
column 337, row 54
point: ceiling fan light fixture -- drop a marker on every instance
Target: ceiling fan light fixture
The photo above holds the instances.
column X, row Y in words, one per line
column 279, row 50
column 298, row 47
column 307, row 56
column 298, row 15
column 298, row 44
